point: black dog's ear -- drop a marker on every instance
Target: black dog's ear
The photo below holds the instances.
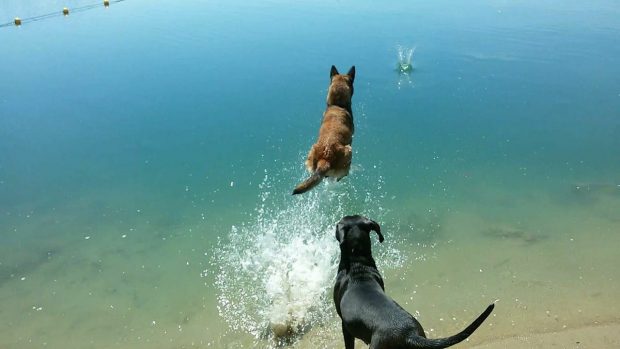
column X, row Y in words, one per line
column 333, row 72
column 351, row 73
column 340, row 232
column 372, row 225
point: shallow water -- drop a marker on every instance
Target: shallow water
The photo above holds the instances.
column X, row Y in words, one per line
column 148, row 152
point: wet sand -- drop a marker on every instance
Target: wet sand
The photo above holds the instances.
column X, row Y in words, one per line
column 586, row 337
column 594, row 336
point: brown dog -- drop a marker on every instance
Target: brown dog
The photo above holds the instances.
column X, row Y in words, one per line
column 331, row 155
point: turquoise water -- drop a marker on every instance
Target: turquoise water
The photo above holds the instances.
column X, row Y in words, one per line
column 148, row 151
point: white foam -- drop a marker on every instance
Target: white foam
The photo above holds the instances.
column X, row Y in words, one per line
column 297, row 274
column 276, row 272
column 405, row 56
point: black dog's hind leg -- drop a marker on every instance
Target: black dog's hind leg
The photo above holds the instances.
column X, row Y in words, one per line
column 349, row 340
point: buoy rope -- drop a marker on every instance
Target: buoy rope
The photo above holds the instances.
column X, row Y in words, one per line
column 59, row 13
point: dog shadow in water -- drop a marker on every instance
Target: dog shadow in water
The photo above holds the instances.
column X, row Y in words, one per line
column 289, row 318
column 283, row 337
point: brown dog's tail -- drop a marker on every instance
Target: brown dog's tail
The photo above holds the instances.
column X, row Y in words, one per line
column 421, row 342
column 321, row 169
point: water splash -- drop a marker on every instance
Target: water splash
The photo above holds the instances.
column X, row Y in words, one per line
column 405, row 57
column 276, row 271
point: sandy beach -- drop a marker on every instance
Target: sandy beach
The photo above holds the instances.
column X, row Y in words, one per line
column 597, row 336
column 594, row 336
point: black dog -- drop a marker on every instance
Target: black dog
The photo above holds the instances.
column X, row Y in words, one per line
column 366, row 312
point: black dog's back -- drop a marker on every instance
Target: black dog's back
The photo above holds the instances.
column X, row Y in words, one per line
column 366, row 311
column 385, row 324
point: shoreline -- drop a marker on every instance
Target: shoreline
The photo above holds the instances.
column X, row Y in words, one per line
column 588, row 336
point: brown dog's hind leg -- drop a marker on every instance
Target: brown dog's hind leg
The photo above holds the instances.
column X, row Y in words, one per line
column 311, row 161
column 348, row 154
column 344, row 160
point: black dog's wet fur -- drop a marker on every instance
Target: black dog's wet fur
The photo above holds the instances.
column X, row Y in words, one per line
column 359, row 294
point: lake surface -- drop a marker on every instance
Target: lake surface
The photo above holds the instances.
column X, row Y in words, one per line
column 148, row 151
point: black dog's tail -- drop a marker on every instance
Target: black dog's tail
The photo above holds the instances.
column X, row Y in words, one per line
column 424, row 343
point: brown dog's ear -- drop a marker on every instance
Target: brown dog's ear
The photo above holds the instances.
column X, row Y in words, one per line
column 333, row 72
column 372, row 225
column 351, row 73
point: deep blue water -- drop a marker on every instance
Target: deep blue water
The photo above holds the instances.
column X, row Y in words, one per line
column 159, row 120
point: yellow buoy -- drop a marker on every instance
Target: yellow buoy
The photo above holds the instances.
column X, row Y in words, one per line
column 106, row 3
column 65, row 11
column 18, row 21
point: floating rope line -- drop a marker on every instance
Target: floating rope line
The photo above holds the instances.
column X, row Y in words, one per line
column 64, row 12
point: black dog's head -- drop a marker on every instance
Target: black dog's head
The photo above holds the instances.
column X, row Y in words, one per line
column 353, row 233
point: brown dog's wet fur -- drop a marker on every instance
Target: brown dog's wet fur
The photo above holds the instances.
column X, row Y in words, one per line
column 331, row 155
